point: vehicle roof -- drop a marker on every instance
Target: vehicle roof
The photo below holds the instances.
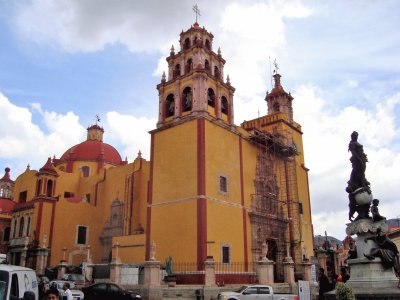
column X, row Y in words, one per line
column 14, row 268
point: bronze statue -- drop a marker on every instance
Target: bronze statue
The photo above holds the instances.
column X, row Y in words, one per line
column 387, row 250
column 358, row 186
column 375, row 211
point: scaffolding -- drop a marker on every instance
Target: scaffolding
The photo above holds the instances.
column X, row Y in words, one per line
column 275, row 217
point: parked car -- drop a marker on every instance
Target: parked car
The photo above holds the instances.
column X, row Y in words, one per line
column 76, row 294
column 255, row 292
column 107, row 291
column 78, row 279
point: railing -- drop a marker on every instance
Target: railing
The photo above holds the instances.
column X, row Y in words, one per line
column 186, row 268
column 234, row 268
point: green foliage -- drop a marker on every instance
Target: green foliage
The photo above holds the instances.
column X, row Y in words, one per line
column 344, row 292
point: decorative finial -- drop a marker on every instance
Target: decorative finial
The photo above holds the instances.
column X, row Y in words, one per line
column 126, row 158
column 228, row 80
column 219, row 51
column 28, row 167
column 163, row 77
column 172, row 50
column 276, row 66
column 139, row 154
column 197, row 11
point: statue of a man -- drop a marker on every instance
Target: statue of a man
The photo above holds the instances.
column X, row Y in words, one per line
column 387, row 250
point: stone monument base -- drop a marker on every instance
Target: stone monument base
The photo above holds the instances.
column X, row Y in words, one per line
column 371, row 274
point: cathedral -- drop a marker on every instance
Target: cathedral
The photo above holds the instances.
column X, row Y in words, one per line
column 210, row 189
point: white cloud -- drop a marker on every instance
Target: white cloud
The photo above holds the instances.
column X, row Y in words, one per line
column 25, row 142
column 326, row 137
column 248, row 43
column 131, row 132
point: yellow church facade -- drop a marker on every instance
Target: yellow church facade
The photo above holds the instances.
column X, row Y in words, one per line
column 210, row 188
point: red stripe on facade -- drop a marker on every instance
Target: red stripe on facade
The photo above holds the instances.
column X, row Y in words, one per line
column 149, row 198
column 39, row 218
column 201, row 190
column 53, row 216
column 246, row 262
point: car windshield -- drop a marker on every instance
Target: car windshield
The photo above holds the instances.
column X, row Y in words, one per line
column 241, row 289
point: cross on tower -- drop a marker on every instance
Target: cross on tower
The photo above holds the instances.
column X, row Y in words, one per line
column 97, row 118
column 197, row 11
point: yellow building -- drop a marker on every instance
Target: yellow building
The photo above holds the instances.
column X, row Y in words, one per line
column 211, row 188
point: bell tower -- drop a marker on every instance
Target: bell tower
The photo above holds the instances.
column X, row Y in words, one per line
column 195, row 83
column 278, row 100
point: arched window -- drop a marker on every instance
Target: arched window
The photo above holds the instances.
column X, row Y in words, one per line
column 276, row 107
column 189, row 65
column 224, row 105
column 211, row 97
column 21, row 227
column 169, row 105
column 186, row 45
column 38, row 187
column 85, row 171
column 216, row 72
column 49, row 190
column 177, row 71
column 207, row 65
column 28, row 226
column 208, row 45
column 187, row 99
column 195, row 40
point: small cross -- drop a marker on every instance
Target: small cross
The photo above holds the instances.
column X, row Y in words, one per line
column 197, row 11
column 276, row 66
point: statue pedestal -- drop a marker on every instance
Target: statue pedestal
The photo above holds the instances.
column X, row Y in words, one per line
column 368, row 277
column 366, row 273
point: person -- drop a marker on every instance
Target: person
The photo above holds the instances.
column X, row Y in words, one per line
column 375, row 211
column 323, row 282
column 345, row 276
column 51, row 294
column 67, row 292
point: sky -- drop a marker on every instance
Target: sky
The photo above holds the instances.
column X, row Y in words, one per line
column 64, row 62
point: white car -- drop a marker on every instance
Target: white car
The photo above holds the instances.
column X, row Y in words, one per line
column 255, row 292
column 76, row 294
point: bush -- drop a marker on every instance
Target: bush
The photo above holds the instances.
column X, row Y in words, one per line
column 344, row 292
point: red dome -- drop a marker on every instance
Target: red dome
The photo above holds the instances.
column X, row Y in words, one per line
column 93, row 150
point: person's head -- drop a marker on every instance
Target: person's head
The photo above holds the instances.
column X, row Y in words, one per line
column 375, row 202
column 66, row 286
column 52, row 294
column 321, row 271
